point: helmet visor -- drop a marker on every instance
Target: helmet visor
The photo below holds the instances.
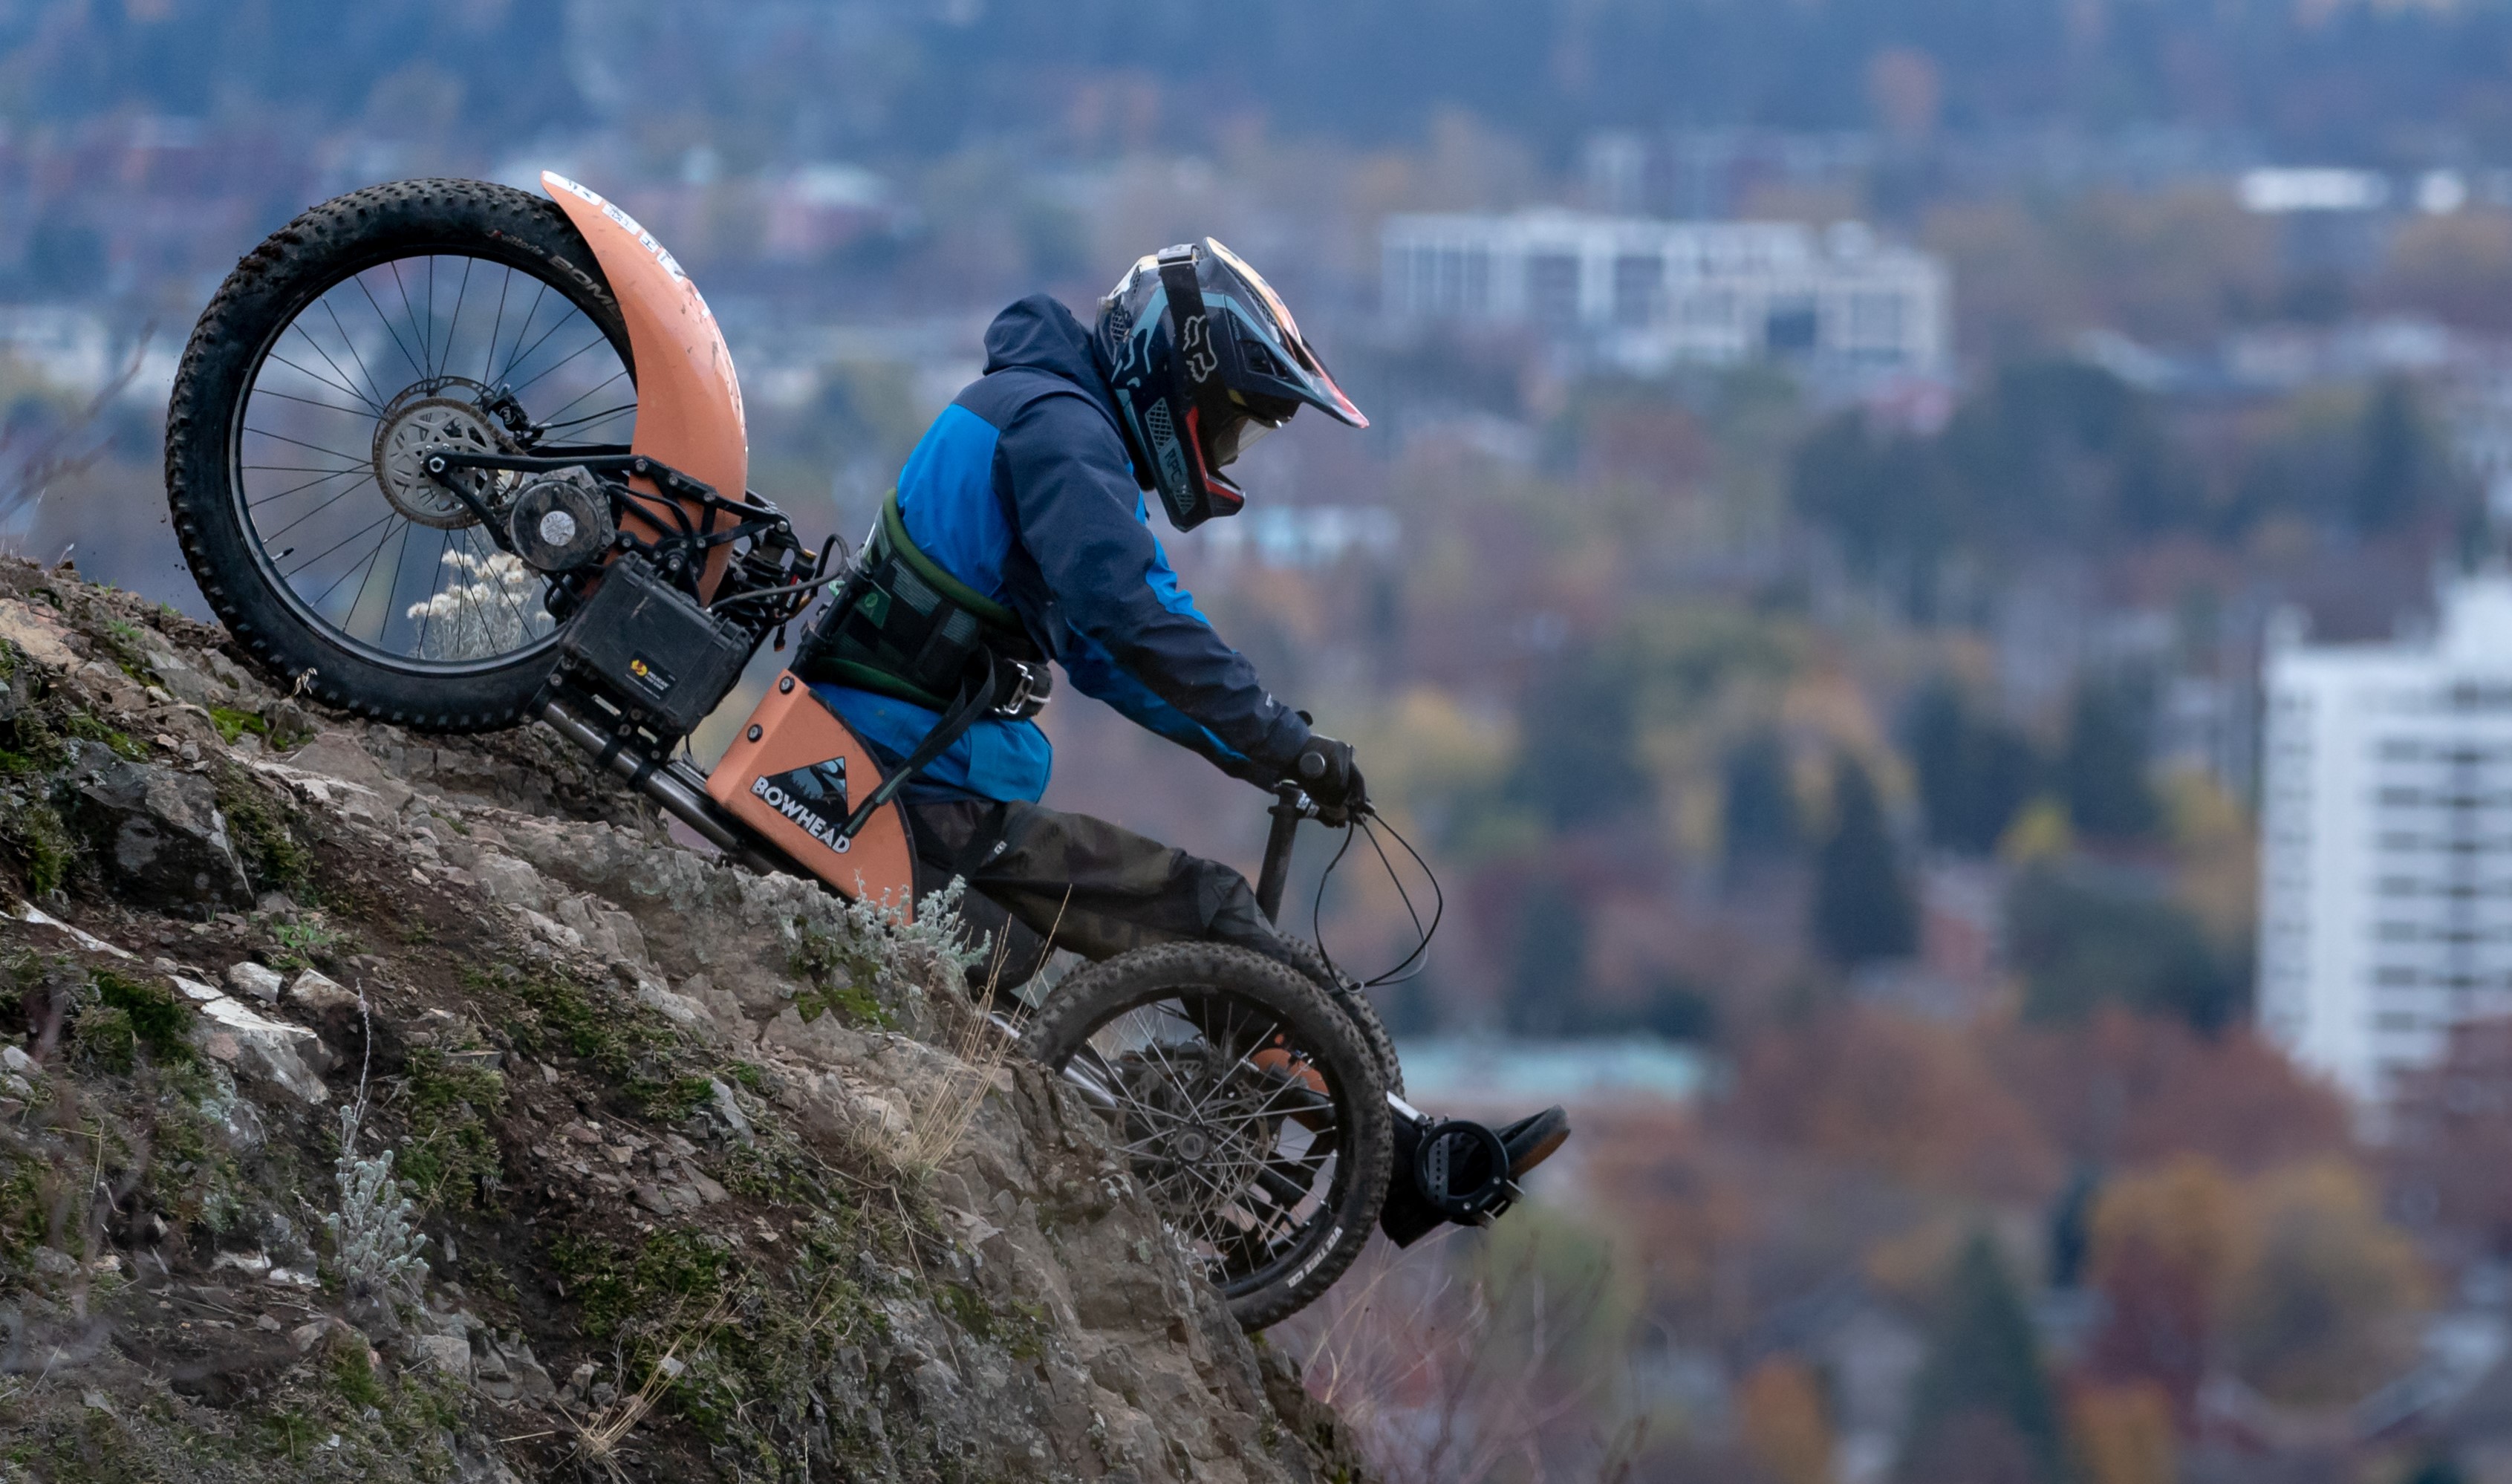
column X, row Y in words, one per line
column 1234, row 436
column 1329, row 397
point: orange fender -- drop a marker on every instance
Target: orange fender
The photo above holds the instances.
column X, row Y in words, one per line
column 688, row 401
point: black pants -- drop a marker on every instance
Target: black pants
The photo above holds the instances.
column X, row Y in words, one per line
column 1039, row 876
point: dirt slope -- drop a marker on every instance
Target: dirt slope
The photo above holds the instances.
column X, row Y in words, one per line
column 708, row 1178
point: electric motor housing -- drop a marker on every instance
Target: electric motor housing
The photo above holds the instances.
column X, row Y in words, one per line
column 561, row 521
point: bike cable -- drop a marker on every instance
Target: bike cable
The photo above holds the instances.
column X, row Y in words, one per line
column 1413, row 963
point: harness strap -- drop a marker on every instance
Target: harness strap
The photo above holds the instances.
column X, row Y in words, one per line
column 974, row 700
column 904, row 625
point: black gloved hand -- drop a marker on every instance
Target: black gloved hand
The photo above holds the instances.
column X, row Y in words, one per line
column 1325, row 768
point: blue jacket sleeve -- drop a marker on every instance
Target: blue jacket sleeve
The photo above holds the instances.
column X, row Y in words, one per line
column 1135, row 637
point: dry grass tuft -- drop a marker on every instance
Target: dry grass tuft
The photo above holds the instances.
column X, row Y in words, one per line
column 600, row 1439
column 981, row 1043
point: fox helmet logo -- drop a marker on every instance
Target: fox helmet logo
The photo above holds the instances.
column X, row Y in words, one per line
column 1195, row 345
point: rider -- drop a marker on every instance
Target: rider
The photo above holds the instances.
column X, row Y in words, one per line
column 1019, row 533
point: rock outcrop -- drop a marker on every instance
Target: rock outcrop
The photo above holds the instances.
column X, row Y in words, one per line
column 385, row 1106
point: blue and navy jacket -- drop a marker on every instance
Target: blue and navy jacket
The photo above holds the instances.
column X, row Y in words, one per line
column 1024, row 489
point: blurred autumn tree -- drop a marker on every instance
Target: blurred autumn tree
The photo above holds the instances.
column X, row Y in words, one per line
column 2101, row 767
column 2292, row 1279
column 1864, row 1089
column 2402, row 470
column 2455, row 268
column 1787, row 1433
column 2052, row 456
column 2085, row 940
column 2319, row 1318
column 1981, row 1410
column 1863, row 909
column 1758, row 814
column 1976, row 772
column 1578, row 760
column 2124, row 1091
column 2168, row 1246
column 2121, row 1434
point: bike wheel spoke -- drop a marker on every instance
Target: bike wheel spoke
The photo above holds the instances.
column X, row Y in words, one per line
column 311, row 514
column 455, row 328
column 337, row 524
column 515, row 357
column 355, row 461
column 355, row 355
column 386, row 321
column 308, row 484
column 570, row 356
column 336, row 545
column 314, row 375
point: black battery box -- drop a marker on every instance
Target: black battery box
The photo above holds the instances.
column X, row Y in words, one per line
column 651, row 649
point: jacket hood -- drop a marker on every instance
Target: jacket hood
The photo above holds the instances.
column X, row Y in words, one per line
column 1039, row 333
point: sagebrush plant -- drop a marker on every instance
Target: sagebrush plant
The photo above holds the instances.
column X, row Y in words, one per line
column 374, row 1239
column 880, row 945
column 497, row 609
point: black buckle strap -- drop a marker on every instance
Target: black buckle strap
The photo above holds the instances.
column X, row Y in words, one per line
column 1193, row 356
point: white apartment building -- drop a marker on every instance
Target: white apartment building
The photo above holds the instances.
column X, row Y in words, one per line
column 2386, row 902
column 1653, row 294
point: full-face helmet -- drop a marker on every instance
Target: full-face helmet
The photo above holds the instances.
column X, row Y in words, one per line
column 1205, row 360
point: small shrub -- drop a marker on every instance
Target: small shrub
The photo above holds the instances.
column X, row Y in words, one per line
column 672, row 1101
column 122, row 638
column 159, row 1017
column 31, row 828
column 232, row 724
column 24, row 1214
column 101, row 1039
column 272, row 855
column 301, row 942
column 353, row 1378
column 878, row 945
column 451, row 1157
column 119, row 1017
column 613, row 1285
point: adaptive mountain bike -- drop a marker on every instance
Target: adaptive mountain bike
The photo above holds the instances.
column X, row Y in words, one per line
column 454, row 456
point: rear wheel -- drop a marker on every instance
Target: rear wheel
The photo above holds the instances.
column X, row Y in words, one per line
column 1249, row 1109
column 374, row 325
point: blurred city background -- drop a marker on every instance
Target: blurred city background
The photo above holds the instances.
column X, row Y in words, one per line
column 1929, row 576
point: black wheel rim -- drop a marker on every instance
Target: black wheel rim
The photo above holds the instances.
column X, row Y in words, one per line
column 1230, row 1124
column 369, row 366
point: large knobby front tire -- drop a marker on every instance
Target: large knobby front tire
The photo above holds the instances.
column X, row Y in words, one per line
column 258, row 303
column 1204, row 992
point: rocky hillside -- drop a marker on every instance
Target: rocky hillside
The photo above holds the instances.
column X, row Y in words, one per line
column 377, row 1107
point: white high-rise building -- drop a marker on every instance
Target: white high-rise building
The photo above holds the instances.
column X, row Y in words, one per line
column 1655, row 293
column 2385, row 901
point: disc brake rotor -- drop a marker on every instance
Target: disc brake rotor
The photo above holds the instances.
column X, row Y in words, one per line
column 411, row 427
